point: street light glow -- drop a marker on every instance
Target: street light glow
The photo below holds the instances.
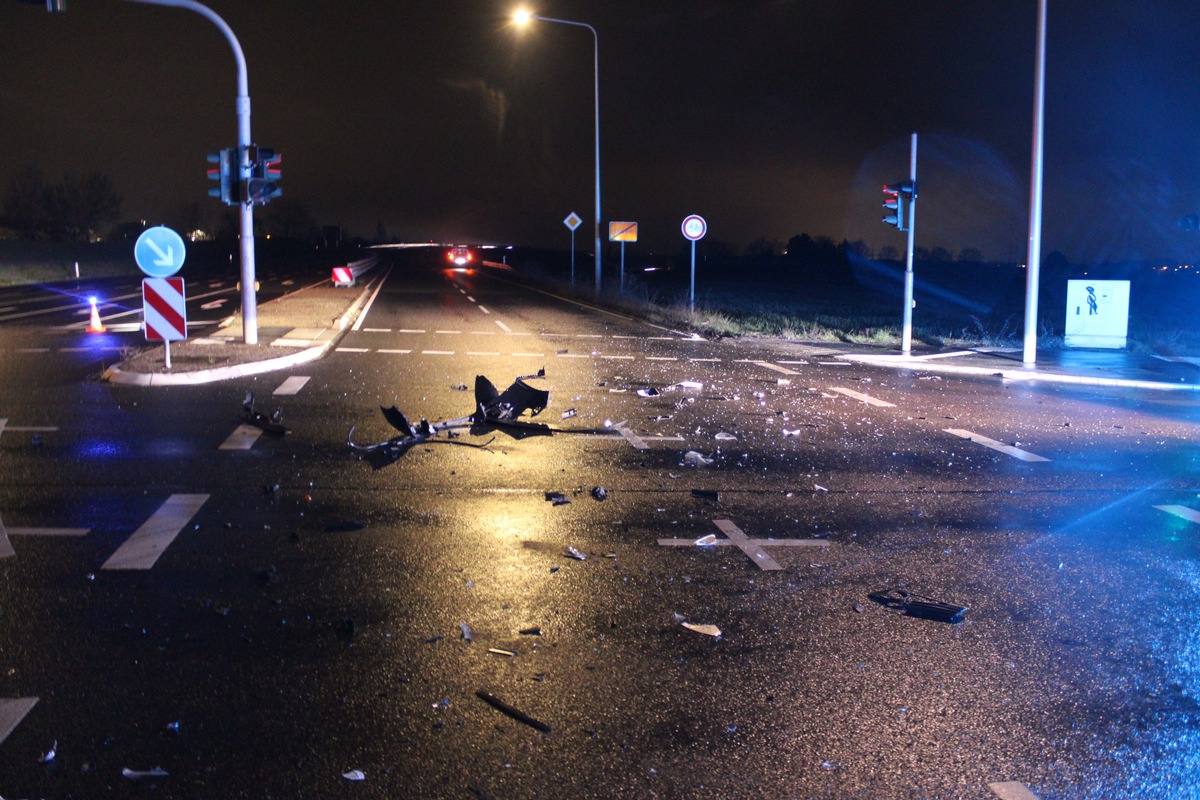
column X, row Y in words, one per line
column 522, row 16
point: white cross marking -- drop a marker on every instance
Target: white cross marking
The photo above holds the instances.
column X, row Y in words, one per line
column 751, row 547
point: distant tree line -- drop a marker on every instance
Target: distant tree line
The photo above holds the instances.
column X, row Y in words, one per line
column 67, row 211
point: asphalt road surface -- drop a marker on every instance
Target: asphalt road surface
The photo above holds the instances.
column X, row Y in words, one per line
column 273, row 617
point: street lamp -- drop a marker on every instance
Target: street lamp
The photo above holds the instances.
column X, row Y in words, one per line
column 523, row 17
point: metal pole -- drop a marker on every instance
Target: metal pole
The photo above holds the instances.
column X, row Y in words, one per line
column 167, row 353
column 246, row 212
column 906, row 336
column 1034, row 256
column 692, row 289
column 622, row 267
column 572, row 258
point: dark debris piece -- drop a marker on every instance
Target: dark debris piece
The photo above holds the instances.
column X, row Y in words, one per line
column 915, row 605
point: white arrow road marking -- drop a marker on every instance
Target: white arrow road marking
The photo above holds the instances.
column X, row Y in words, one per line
column 242, row 438
column 12, row 712
column 142, row 549
column 215, row 304
column 1015, row 452
column 1011, row 790
column 872, row 401
column 165, row 258
column 1191, row 515
column 751, row 547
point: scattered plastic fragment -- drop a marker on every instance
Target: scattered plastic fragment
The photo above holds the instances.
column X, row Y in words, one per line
column 707, row 494
column 459, row 387
column 570, row 412
column 466, row 632
column 136, row 774
column 575, row 554
column 707, row 630
column 915, row 605
column 725, row 437
column 173, row 726
column 534, row 631
column 818, row 487
column 783, row 381
column 651, row 392
column 354, row 775
column 505, row 708
column 706, row 541
column 557, row 498
column 600, row 493
column 690, row 385
column 500, row 652
column 49, row 755
column 694, row 459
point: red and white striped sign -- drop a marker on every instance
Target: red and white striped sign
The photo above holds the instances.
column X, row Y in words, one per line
column 343, row 276
column 164, row 310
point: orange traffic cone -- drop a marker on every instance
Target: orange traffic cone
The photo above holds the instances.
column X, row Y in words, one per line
column 95, row 326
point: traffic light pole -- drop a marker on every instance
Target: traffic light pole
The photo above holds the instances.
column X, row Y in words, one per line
column 246, row 208
column 906, row 336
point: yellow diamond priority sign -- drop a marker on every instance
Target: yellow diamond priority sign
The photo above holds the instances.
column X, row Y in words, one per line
column 572, row 221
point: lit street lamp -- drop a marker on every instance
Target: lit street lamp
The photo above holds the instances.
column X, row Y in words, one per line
column 522, row 17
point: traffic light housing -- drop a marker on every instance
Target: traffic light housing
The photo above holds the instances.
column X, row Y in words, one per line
column 897, row 197
column 223, row 174
column 263, row 185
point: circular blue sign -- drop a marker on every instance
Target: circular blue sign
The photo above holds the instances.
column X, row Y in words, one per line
column 159, row 252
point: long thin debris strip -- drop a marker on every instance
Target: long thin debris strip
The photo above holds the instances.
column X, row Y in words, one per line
column 707, row 630
column 505, row 708
column 135, row 774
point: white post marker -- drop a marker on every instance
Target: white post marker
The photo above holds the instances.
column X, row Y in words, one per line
column 694, row 227
column 751, row 547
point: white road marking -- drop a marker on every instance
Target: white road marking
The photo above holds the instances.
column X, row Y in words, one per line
column 142, row 549
column 447, row 331
column 707, row 360
column 794, row 362
column 478, row 353
column 4, row 426
column 503, row 327
column 834, row 363
column 483, row 333
column 292, row 385
column 617, row 358
column 410, row 330
column 775, row 367
column 751, row 547
column 530, row 355
column 214, row 304
column 573, row 355
column 395, row 351
column 1012, row 790
column 589, row 336
column 472, row 299
column 484, row 310
column 437, row 352
column 377, row 330
column 1191, row 515
column 638, row 442
column 362, row 315
column 33, row 350
column 1007, row 449
column 873, row 401
column 353, row 350
column 242, row 438
column 12, row 711
column 661, row 358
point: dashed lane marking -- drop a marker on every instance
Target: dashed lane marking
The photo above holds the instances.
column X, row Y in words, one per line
column 775, row 367
column 377, row 330
column 480, row 353
column 661, row 358
column 573, row 355
column 618, row 358
column 472, row 299
column 4, row 426
column 753, row 548
column 437, row 352
column 242, row 438
column 484, row 310
column 396, row 352
column 6, row 548
column 448, row 332
column 1191, row 515
column 1012, row 790
column 142, row 549
column 1015, row 452
column 292, row 385
column 866, row 398
column 834, row 363
column 706, row 360
column 530, row 355
column 353, row 350
column 12, row 711
column 503, row 327
column 411, row 330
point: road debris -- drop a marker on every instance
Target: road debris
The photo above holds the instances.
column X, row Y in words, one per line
column 271, row 424
column 706, row 541
column 725, row 437
column 532, row 631
column 707, row 494
column 139, row 774
column 466, row 632
column 693, row 459
column 571, row 552
column 707, row 630
column 499, row 652
column 49, row 755
column 570, row 412
column 354, row 775
column 651, row 392
column 557, row 498
column 915, row 605
column 505, row 708
column 600, row 493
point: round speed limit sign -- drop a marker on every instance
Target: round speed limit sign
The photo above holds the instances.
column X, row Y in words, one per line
column 694, row 227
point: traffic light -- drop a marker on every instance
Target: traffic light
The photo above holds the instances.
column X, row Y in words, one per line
column 223, row 173
column 263, row 185
column 897, row 196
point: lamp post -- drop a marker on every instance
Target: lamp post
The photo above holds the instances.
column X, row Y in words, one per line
column 522, row 17
column 246, row 209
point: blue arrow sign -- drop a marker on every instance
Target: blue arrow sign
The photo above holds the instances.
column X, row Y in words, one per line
column 159, row 252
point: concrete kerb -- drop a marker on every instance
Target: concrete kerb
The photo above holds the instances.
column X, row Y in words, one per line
column 326, row 341
column 917, row 364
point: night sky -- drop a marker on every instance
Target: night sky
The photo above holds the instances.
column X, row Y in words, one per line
column 442, row 121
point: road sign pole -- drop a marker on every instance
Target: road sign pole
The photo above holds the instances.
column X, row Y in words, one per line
column 572, row 258
column 167, row 352
column 906, row 335
column 622, row 267
column 692, row 288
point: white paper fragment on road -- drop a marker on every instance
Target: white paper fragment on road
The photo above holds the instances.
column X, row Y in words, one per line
column 707, row 630
column 137, row 774
column 570, row 412
column 466, row 632
column 694, row 459
column 500, row 652
column 818, row 487
column 705, row 541
column 690, row 385
column 725, row 437
column 575, row 554
column 354, row 775
column 49, row 755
